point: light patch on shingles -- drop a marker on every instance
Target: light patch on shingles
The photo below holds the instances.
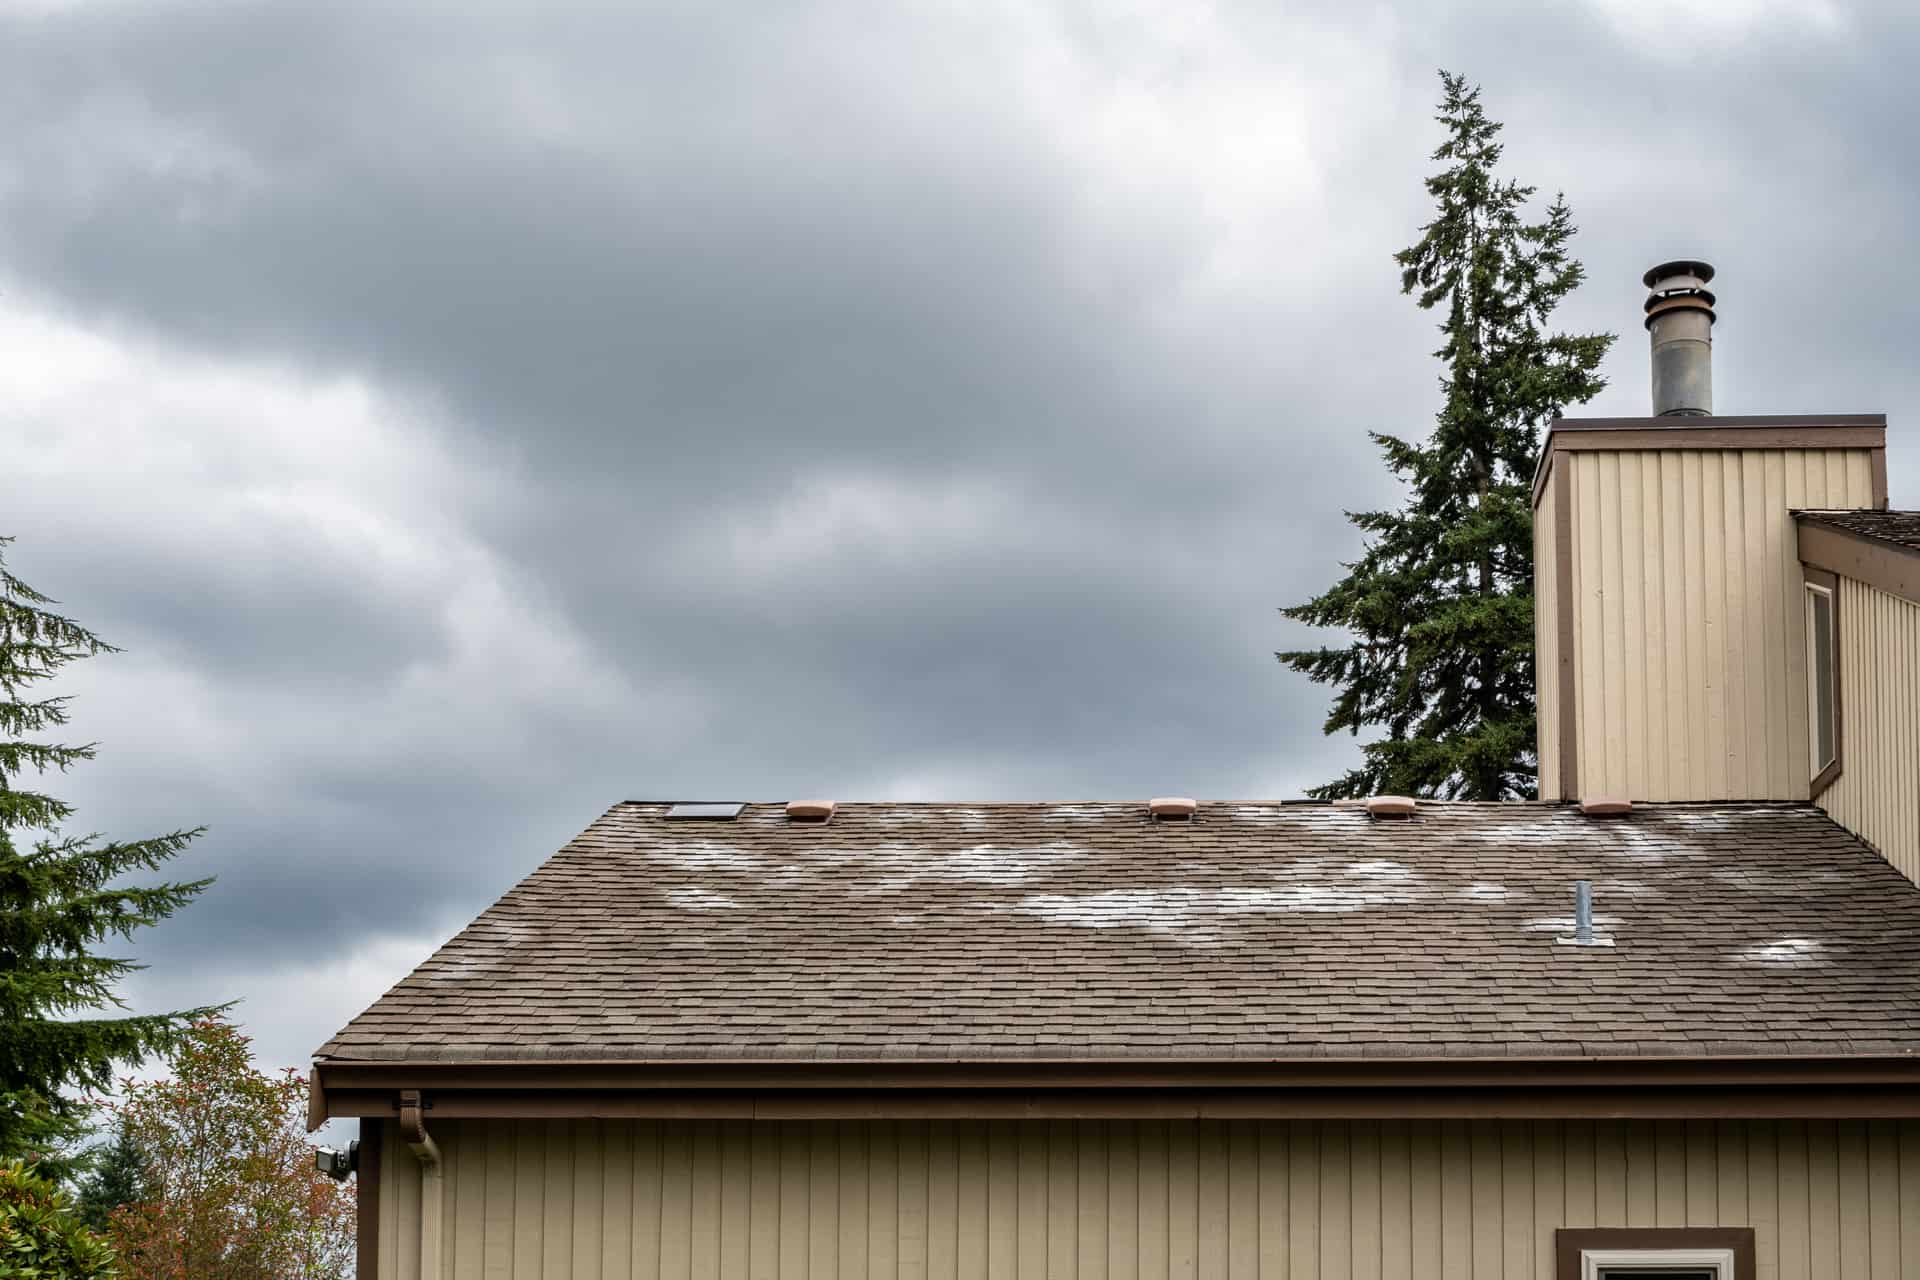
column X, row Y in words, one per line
column 1195, row 915
column 694, row 898
column 904, row 866
column 1786, row 951
column 1380, row 870
column 706, row 855
column 1490, row 893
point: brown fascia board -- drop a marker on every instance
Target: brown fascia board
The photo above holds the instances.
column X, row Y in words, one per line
column 1768, row 431
column 1882, row 565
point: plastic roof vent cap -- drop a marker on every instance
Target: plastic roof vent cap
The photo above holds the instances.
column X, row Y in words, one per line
column 1171, row 807
column 809, row 810
column 1606, row 806
column 1390, row 807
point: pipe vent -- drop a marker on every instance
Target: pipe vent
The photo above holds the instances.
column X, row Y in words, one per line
column 1391, row 806
column 1680, row 319
column 818, row 811
column 1171, row 808
column 1606, row 806
column 1583, row 934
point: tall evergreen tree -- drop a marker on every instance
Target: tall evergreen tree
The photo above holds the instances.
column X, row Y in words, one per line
column 115, row 1176
column 1439, row 607
column 60, row 897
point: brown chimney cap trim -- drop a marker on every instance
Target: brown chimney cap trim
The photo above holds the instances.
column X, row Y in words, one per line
column 1585, row 435
column 1715, row 422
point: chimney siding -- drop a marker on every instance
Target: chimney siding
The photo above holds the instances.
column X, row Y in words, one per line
column 1669, row 602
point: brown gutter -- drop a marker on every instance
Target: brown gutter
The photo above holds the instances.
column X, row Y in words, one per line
column 1717, row 1102
column 1825, row 1070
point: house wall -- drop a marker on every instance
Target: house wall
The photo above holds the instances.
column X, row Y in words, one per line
column 1301, row 1200
column 1689, row 646
column 1546, row 645
column 1877, row 795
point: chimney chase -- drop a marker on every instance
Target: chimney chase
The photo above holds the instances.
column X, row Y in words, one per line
column 1680, row 323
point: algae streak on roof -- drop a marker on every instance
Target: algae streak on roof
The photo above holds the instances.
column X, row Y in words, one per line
column 1257, row 930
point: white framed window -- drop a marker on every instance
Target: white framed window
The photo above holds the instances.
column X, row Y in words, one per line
column 1823, row 693
column 1656, row 1264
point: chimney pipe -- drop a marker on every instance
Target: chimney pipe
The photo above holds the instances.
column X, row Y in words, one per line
column 1680, row 322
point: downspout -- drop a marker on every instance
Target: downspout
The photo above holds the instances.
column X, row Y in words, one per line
column 413, row 1132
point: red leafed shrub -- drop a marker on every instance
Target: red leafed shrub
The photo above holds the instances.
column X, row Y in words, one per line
column 230, row 1189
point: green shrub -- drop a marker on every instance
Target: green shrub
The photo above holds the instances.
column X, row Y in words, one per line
column 41, row 1237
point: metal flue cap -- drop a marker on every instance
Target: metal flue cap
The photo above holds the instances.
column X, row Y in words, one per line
column 1679, row 321
column 1391, row 806
column 1679, row 271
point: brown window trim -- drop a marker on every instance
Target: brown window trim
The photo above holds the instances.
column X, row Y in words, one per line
column 1830, row 582
column 1569, row 1243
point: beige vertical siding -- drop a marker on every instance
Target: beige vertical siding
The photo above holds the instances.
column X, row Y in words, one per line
column 1690, row 662
column 623, row 1200
column 1546, row 646
column 1877, row 795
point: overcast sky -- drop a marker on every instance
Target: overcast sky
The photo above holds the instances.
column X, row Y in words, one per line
column 469, row 415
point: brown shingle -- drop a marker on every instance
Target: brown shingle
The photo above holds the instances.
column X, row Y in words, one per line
column 1258, row 930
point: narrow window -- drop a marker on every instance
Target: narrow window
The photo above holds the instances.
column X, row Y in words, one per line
column 1822, row 697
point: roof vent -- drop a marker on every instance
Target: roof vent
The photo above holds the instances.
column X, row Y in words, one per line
column 1606, row 806
column 1583, row 934
column 1390, row 806
column 705, row 811
column 810, row 810
column 1171, row 808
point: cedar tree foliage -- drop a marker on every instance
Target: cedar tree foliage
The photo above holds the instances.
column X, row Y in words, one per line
column 61, row 896
column 1439, row 607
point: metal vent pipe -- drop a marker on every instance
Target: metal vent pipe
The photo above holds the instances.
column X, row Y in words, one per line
column 1680, row 325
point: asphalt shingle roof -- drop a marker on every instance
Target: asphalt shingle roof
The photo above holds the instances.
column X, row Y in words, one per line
column 1258, row 930
column 1901, row 528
